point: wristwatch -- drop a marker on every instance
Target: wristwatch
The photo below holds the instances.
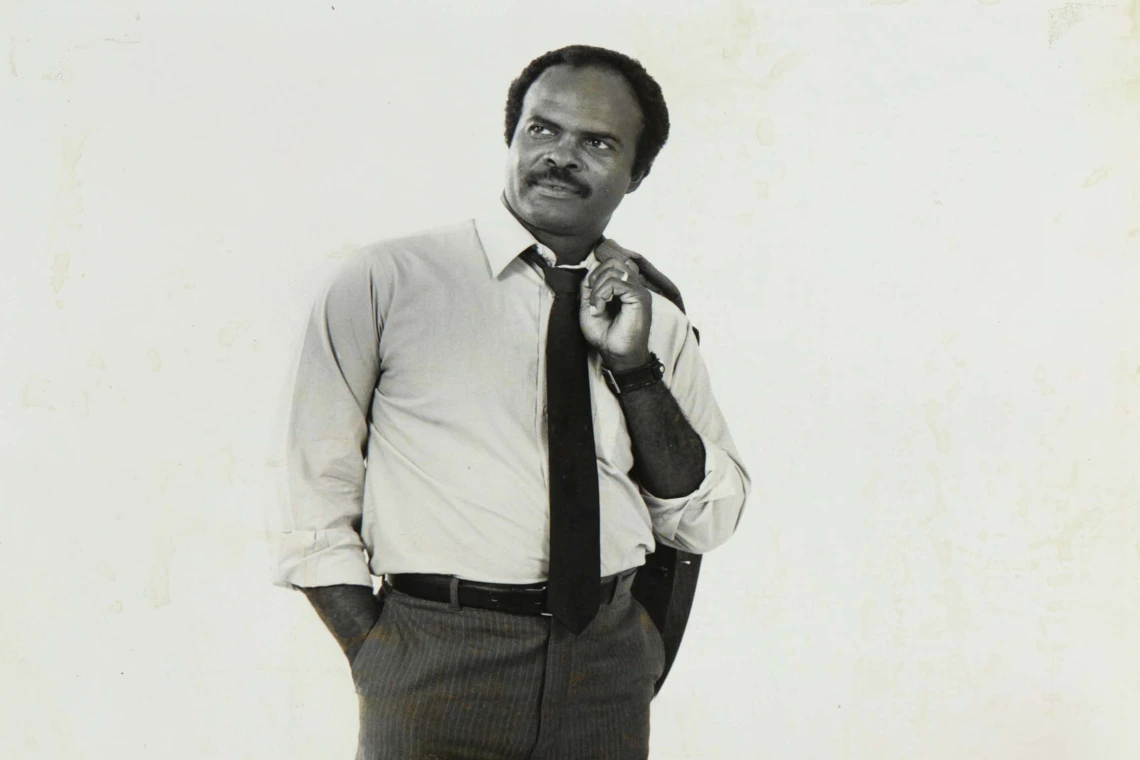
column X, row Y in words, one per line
column 628, row 380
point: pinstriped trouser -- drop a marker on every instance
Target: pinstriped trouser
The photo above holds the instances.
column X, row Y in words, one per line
column 440, row 683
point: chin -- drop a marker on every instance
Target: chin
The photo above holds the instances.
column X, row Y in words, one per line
column 550, row 216
column 559, row 224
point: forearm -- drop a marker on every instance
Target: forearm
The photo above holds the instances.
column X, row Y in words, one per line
column 348, row 611
column 668, row 455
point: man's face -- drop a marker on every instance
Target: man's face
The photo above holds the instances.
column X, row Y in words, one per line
column 573, row 149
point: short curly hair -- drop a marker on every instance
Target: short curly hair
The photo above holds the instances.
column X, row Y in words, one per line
column 654, row 113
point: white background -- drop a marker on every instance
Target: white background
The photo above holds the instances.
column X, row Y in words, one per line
column 908, row 232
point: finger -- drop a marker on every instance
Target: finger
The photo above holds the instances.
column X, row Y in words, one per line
column 613, row 265
column 592, row 301
column 609, row 250
column 600, row 296
column 651, row 277
column 628, row 293
column 658, row 282
column 613, row 286
column 645, row 265
column 596, row 298
column 600, row 271
column 606, row 286
column 633, row 279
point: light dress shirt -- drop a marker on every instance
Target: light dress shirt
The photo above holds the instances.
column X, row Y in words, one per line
column 416, row 439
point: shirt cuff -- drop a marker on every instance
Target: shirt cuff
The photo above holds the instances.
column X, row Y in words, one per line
column 306, row 559
column 690, row 522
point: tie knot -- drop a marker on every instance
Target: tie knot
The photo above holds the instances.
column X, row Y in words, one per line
column 561, row 281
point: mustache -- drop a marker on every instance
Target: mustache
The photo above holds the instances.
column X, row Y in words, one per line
column 562, row 177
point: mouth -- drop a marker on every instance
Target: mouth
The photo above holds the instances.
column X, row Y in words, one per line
column 555, row 189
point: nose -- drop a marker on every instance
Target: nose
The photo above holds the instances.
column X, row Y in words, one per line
column 564, row 155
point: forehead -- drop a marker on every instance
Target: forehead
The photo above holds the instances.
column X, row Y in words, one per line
column 589, row 99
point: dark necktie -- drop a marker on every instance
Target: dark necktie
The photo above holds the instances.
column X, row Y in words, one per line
column 575, row 557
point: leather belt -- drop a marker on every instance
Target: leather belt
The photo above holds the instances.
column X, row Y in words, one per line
column 526, row 599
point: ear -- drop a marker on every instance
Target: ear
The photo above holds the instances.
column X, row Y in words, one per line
column 636, row 181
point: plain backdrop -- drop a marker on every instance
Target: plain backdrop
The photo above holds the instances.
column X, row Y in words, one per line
column 908, row 233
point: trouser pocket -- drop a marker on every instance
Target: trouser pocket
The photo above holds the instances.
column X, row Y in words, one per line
column 375, row 634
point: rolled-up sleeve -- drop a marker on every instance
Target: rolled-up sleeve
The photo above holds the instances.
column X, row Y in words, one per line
column 704, row 519
column 315, row 535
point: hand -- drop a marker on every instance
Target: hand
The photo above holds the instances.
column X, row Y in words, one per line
column 615, row 310
column 349, row 611
column 651, row 276
column 353, row 649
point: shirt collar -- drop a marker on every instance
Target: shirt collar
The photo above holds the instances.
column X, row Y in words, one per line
column 503, row 238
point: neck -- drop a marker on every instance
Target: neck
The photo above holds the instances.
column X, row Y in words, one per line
column 569, row 249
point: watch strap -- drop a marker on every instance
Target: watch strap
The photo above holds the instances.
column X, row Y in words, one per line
column 628, row 380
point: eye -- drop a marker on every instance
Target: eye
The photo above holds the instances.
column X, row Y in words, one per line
column 597, row 144
column 538, row 130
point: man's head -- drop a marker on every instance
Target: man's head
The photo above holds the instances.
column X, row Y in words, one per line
column 584, row 125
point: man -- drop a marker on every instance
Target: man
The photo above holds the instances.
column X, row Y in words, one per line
column 503, row 418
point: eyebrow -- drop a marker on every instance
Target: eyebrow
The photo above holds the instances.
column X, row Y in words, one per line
column 552, row 123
